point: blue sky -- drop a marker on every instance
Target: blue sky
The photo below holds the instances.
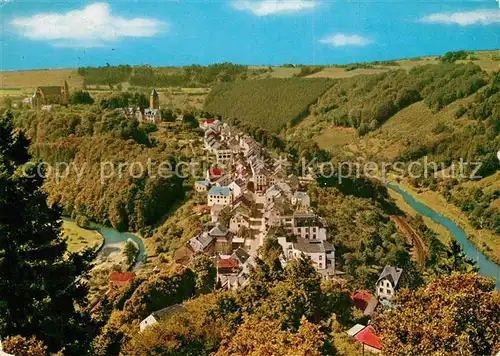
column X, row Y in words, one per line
column 46, row 34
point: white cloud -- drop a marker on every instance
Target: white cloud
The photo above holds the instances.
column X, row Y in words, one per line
column 92, row 26
column 478, row 17
column 340, row 40
column 273, row 7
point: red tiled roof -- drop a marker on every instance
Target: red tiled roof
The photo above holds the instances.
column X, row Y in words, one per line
column 210, row 121
column 367, row 336
column 121, row 277
column 361, row 298
column 215, row 172
column 228, row 263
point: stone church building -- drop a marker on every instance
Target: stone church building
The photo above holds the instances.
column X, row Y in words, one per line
column 48, row 95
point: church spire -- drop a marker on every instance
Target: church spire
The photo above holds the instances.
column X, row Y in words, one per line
column 154, row 100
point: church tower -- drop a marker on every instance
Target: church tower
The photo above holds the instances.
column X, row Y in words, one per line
column 154, row 100
column 65, row 94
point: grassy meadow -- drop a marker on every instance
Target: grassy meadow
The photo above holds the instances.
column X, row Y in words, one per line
column 79, row 238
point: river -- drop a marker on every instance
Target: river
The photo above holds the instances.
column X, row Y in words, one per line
column 486, row 267
column 113, row 237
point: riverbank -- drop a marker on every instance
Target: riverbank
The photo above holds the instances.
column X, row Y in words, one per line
column 486, row 241
column 110, row 242
column 78, row 238
column 442, row 233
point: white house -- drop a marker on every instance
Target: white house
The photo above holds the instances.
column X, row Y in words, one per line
column 202, row 243
column 219, row 196
column 259, row 177
column 388, row 282
column 157, row 316
column 322, row 253
column 308, row 226
column 201, row 186
column 152, row 115
column 238, row 221
column 237, row 188
column 224, row 155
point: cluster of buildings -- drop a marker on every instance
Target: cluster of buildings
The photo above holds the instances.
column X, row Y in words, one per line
column 251, row 197
column 151, row 114
column 389, row 281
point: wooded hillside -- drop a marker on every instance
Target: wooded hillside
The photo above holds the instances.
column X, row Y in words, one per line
column 86, row 136
column 270, row 104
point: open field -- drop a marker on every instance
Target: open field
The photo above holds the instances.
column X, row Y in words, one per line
column 79, row 238
column 30, row 79
column 485, row 59
column 412, row 125
column 334, row 137
column 339, row 72
column 485, row 240
column 33, row 78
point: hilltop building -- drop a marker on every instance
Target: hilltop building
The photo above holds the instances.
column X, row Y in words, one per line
column 153, row 114
column 49, row 95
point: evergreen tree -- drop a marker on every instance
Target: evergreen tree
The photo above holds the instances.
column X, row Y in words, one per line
column 41, row 293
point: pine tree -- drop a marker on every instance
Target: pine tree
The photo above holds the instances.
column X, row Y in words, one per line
column 41, row 291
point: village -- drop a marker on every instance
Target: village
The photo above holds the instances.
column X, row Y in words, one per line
column 250, row 198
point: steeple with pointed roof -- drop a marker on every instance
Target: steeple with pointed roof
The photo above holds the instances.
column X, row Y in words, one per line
column 154, row 100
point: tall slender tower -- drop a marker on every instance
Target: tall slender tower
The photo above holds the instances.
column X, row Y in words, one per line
column 65, row 94
column 154, row 100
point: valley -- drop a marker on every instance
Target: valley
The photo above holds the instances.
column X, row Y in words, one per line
column 212, row 228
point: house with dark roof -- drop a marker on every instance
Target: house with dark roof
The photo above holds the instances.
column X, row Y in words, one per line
column 161, row 315
column 222, row 237
column 204, row 242
column 388, row 282
column 322, row 253
column 48, row 95
column 241, row 255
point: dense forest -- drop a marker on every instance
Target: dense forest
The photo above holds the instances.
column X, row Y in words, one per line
column 284, row 311
column 269, row 104
column 147, row 76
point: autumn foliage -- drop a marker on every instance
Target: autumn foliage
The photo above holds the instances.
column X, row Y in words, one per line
column 457, row 314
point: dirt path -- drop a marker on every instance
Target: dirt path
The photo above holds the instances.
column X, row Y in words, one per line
column 414, row 238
